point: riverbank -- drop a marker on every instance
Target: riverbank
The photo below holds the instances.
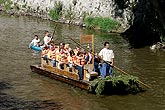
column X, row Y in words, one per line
column 140, row 22
column 59, row 11
column 98, row 23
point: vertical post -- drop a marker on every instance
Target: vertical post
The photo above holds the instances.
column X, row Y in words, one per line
column 93, row 48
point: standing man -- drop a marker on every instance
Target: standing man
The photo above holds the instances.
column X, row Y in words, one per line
column 108, row 60
column 47, row 39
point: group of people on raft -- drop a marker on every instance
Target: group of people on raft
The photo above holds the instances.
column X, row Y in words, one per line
column 64, row 54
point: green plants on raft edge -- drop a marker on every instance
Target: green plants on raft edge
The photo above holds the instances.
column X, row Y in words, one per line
column 101, row 23
column 121, row 84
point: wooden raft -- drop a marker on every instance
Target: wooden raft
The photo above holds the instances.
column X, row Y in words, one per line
column 81, row 84
column 64, row 75
column 61, row 75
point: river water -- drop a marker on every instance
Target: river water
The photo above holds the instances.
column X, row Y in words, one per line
column 23, row 86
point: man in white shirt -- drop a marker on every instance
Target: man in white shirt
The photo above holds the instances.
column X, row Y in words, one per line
column 108, row 60
column 47, row 39
column 35, row 41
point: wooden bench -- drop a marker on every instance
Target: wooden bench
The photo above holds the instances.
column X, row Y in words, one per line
column 55, row 70
column 89, row 74
column 43, row 62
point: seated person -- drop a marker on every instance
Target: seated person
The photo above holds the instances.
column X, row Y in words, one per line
column 61, row 47
column 62, row 59
column 70, row 60
column 88, row 57
column 52, row 55
column 35, row 41
column 96, row 63
column 79, row 65
column 67, row 49
column 44, row 53
column 76, row 51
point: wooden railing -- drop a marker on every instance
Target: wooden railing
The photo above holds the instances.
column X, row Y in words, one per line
column 88, row 74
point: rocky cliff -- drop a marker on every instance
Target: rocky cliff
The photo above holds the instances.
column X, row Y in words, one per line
column 142, row 21
column 148, row 25
column 115, row 9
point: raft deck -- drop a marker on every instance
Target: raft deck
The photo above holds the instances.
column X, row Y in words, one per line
column 60, row 75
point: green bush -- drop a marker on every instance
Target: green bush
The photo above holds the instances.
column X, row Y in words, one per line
column 7, row 6
column 105, row 24
column 70, row 15
column 56, row 12
column 2, row 2
column 115, row 85
column 6, row 3
column 84, row 15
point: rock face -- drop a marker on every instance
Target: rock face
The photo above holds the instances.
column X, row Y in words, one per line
column 119, row 10
column 142, row 21
column 148, row 23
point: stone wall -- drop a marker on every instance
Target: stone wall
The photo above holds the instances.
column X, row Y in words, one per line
column 103, row 8
column 142, row 21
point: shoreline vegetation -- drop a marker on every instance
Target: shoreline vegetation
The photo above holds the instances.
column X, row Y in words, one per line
column 61, row 15
column 58, row 13
column 100, row 23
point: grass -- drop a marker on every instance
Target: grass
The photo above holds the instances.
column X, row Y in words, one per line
column 70, row 15
column 7, row 4
column 105, row 24
column 56, row 12
column 2, row 2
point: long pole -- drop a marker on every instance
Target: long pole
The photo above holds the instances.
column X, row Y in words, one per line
column 129, row 74
column 93, row 49
column 122, row 71
column 54, row 31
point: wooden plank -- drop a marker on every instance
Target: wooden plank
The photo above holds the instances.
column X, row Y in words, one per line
column 62, row 72
column 86, row 75
column 81, row 84
column 86, row 39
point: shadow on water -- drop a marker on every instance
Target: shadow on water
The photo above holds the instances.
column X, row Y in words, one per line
column 8, row 102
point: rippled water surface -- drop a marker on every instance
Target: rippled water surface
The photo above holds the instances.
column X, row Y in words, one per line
column 33, row 91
